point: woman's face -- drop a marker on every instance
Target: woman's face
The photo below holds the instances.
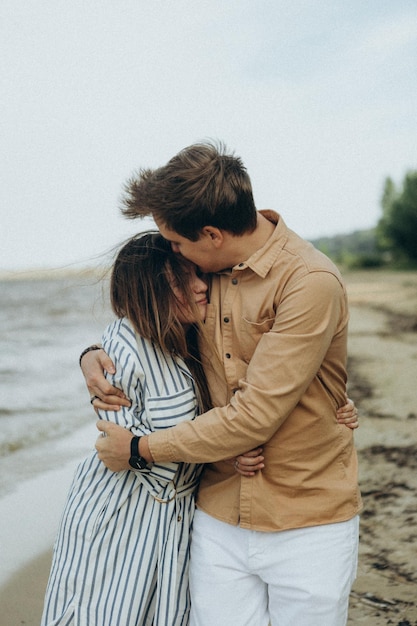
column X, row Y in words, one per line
column 198, row 288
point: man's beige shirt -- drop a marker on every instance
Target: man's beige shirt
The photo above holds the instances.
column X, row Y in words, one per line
column 279, row 323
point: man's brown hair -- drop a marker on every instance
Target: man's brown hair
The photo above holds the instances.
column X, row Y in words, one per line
column 200, row 186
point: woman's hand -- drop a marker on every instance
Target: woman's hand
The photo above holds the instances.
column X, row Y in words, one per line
column 102, row 394
column 249, row 463
column 348, row 415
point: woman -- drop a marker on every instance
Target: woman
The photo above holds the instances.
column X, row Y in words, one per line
column 122, row 551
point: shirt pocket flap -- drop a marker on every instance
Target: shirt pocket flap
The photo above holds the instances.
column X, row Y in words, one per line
column 166, row 411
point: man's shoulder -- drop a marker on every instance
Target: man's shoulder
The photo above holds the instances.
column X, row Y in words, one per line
column 303, row 253
column 296, row 246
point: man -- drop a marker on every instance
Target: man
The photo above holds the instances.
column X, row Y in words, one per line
column 282, row 544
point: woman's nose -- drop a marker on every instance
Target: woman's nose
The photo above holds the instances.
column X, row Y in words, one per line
column 199, row 286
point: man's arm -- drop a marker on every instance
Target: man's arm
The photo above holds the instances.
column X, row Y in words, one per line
column 103, row 395
column 306, row 342
column 113, row 447
column 108, row 398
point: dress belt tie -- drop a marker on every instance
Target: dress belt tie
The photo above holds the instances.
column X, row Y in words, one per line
column 177, row 491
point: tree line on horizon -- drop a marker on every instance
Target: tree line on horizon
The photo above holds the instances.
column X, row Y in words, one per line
column 391, row 243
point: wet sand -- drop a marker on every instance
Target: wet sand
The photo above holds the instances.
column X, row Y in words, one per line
column 21, row 599
column 383, row 382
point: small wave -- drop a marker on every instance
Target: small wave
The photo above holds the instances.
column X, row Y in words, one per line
column 32, row 430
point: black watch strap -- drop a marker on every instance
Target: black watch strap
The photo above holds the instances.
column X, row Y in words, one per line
column 136, row 461
column 134, row 446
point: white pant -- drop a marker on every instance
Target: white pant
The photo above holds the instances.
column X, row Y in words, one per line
column 243, row 577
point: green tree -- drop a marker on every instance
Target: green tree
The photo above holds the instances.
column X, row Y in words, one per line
column 397, row 229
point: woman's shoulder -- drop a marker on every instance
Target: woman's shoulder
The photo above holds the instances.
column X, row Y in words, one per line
column 120, row 336
column 136, row 356
column 120, row 329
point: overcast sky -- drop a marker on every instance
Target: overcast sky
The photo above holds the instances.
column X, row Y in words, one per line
column 319, row 98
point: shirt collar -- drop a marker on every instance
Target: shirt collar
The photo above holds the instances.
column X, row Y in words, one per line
column 263, row 259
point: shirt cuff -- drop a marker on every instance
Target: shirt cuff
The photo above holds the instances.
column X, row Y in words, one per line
column 160, row 446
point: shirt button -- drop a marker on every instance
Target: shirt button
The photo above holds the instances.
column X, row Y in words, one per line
column 179, row 518
column 234, row 281
column 225, row 319
column 227, row 355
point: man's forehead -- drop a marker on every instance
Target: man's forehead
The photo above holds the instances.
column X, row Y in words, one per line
column 167, row 233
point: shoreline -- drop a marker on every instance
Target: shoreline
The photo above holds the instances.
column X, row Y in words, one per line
column 31, row 509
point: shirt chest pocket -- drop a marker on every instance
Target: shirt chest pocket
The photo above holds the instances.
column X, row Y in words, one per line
column 166, row 411
column 251, row 333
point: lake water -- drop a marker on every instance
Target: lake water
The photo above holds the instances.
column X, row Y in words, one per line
column 45, row 323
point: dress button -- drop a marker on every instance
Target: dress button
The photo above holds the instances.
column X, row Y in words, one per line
column 225, row 320
column 234, row 281
column 227, row 355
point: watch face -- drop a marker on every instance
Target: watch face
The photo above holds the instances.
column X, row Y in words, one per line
column 137, row 462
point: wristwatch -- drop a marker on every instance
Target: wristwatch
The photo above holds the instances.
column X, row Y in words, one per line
column 136, row 461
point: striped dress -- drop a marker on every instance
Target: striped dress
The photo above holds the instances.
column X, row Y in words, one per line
column 122, row 551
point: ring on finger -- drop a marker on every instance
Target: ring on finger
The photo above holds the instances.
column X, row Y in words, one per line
column 236, row 464
column 92, row 398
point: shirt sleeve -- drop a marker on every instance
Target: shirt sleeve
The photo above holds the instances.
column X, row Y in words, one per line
column 309, row 318
column 119, row 343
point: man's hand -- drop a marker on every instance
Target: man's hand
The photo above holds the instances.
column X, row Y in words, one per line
column 103, row 395
column 348, row 415
column 113, row 446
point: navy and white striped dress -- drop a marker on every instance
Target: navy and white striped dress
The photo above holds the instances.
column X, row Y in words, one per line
column 122, row 551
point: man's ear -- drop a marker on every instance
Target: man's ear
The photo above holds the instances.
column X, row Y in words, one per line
column 216, row 235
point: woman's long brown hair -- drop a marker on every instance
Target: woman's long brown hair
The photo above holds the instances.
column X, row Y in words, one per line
column 141, row 290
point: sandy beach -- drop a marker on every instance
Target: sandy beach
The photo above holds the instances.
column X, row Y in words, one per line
column 383, row 377
column 383, row 381
column 29, row 517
